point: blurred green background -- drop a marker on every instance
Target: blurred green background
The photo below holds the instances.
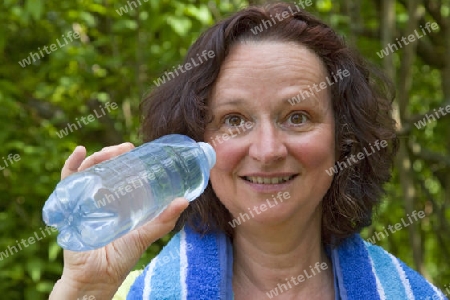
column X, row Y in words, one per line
column 116, row 58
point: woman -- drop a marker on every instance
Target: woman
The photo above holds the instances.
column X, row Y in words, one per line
column 304, row 141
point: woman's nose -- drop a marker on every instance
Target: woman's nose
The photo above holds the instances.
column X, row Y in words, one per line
column 267, row 144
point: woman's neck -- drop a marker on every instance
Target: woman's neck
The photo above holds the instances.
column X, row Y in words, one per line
column 287, row 259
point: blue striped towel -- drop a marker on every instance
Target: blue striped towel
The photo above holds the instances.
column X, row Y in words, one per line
column 198, row 267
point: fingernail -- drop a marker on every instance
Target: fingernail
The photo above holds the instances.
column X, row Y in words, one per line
column 74, row 150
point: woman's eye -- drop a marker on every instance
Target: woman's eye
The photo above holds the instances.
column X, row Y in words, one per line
column 298, row 118
column 234, row 121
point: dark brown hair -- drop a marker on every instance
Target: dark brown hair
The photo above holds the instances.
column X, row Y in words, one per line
column 361, row 104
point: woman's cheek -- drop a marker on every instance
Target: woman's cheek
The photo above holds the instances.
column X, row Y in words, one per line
column 228, row 154
column 315, row 152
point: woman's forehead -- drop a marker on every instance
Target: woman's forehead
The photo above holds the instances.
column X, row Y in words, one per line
column 257, row 70
column 270, row 61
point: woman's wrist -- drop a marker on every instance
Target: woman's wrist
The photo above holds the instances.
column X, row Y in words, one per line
column 69, row 289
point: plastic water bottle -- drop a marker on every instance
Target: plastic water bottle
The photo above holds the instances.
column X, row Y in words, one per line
column 100, row 204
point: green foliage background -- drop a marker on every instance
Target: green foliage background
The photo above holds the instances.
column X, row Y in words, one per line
column 116, row 59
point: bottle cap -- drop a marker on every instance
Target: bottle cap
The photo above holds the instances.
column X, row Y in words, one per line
column 209, row 152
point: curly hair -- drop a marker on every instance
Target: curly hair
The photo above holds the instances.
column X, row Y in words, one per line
column 362, row 106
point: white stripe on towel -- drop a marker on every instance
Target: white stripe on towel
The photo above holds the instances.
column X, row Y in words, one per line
column 380, row 288
column 439, row 293
column 148, row 279
column 183, row 265
column 402, row 275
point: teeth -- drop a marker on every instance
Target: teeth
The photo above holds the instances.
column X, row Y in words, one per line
column 267, row 180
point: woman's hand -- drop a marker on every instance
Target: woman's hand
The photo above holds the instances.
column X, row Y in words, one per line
column 100, row 272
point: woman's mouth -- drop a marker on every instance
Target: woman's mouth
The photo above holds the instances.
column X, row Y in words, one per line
column 268, row 180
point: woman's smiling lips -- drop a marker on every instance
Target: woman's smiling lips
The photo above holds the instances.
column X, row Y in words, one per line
column 268, row 183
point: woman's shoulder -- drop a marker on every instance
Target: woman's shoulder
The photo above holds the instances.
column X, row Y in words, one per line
column 368, row 268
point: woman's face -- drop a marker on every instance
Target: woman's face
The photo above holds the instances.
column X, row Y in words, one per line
column 270, row 144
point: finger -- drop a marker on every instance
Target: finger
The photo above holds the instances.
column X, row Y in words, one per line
column 119, row 149
column 73, row 162
column 105, row 154
column 95, row 158
column 161, row 225
column 173, row 211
